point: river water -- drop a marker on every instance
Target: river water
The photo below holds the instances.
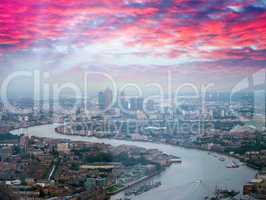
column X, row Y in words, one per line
column 194, row 179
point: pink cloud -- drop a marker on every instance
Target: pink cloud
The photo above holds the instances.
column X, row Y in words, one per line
column 183, row 28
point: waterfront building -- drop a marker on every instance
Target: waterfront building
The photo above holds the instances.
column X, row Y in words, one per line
column 105, row 99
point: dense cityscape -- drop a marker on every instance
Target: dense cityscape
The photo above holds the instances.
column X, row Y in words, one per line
column 40, row 168
column 132, row 99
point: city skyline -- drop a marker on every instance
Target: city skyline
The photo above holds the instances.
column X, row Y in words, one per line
column 133, row 99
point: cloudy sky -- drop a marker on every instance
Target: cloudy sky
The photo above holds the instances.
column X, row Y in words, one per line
column 136, row 41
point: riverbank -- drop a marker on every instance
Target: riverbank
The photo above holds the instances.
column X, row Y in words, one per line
column 196, row 165
column 136, row 182
column 59, row 131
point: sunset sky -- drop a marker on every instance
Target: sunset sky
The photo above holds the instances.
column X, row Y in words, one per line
column 135, row 40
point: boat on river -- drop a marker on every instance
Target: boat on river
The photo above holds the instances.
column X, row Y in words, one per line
column 220, row 194
column 222, row 159
column 233, row 164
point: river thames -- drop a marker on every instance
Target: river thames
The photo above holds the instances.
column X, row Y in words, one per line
column 194, row 179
